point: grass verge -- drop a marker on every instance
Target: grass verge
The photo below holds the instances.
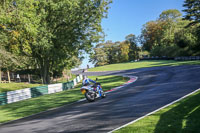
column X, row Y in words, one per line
column 15, row 86
column 4, row 87
column 142, row 64
column 181, row 117
column 28, row 107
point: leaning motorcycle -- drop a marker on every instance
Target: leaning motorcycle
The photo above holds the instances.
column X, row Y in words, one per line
column 93, row 92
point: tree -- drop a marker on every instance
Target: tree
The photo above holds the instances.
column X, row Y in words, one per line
column 55, row 31
column 158, row 37
column 170, row 15
column 99, row 57
column 192, row 11
column 152, row 34
column 8, row 60
column 133, row 52
column 187, row 41
column 171, row 18
column 124, row 51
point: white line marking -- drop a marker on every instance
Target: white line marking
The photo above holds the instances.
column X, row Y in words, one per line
column 154, row 111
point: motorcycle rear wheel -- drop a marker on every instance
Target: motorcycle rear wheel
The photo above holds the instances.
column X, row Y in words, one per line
column 90, row 96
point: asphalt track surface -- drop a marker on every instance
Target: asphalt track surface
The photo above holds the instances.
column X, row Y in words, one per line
column 154, row 88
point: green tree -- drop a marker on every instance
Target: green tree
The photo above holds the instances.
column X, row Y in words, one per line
column 158, row 37
column 55, row 31
column 170, row 15
column 192, row 11
column 99, row 57
column 124, row 51
column 193, row 14
column 152, row 34
column 171, row 18
column 133, row 52
column 114, row 53
column 187, row 41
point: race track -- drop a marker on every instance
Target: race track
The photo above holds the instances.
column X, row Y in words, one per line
column 155, row 87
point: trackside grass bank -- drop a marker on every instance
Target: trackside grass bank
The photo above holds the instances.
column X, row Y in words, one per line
column 181, row 117
column 4, row 87
column 15, row 86
column 142, row 64
column 32, row 106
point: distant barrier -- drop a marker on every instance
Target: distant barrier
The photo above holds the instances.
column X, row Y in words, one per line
column 182, row 58
column 157, row 58
column 187, row 58
column 23, row 94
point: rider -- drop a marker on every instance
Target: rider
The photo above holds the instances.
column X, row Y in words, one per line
column 86, row 82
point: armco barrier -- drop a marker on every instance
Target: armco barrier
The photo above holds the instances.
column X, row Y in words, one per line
column 65, row 86
column 81, row 77
column 68, row 85
column 3, row 98
column 18, row 95
column 38, row 91
column 75, row 83
column 78, row 79
column 55, row 88
column 71, row 84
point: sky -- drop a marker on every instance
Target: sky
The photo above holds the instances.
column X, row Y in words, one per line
column 128, row 17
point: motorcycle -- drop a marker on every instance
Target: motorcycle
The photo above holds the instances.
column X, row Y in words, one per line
column 93, row 92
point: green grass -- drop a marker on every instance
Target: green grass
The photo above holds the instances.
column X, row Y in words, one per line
column 181, row 117
column 15, row 86
column 63, row 80
column 142, row 64
column 28, row 107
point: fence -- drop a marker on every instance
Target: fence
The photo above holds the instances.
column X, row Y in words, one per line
column 183, row 58
column 23, row 94
column 187, row 58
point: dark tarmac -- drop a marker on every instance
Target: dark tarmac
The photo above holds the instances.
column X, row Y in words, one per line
column 155, row 87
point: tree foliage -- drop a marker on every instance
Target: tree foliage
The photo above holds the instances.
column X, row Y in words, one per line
column 168, row 37
column 117, row 52
column 192, row 11
column 53, row 32
column 133, row 52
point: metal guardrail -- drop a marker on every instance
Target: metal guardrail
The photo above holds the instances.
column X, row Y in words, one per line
column 187, row 58
column 182, row 58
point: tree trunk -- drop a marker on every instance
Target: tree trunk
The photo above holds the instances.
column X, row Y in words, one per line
column 45, row 72
column 8, row 76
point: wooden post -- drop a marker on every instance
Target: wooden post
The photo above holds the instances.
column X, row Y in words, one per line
column 8, row 76
column 29, row 78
